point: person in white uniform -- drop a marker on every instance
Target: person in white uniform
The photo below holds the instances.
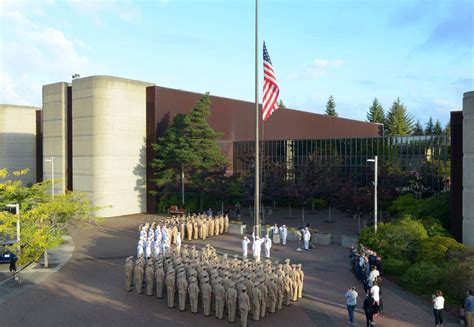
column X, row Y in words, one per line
column 284, row 234
column 245, row 246
column 268, row 245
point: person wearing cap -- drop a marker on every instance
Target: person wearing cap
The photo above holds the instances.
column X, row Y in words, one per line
column 272, row 294
column 170, row 286
column 263, row 299
column 219, row 292
column 306, row 237
column 159, row 280
column 226, row 223
column 138, row 274
column 182, row 290
column 284, row 234
column 300, row 280
column 288, row 285
column 231, row 301
column 256, row 300
column 244, row 306
column 128, row 273
column 189, row 230
column 268, row 245
column 193, row 290
column 178, row 242
column 256, row 247
column 206, row 293
column 150, row 278
column 245, row 246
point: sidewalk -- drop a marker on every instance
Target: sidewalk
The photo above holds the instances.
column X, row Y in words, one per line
column 34, row 274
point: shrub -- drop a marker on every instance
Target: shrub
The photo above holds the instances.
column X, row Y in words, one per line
column 440, row 249
column 456, row 277
column 397, row 240
column 404, row 204
column 395, row 267
column 319, row 203
column 422, row 277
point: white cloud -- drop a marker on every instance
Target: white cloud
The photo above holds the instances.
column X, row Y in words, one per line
column 317, row 68
column 318, row 62
column 126, row 10
column 34, row 55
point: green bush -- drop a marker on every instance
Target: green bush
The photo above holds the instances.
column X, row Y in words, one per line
column 440, row 249
column 404, row 204
column 319, row 203
column 397, row 240
column 395, row 267
column 422, row 277
column 456, row 277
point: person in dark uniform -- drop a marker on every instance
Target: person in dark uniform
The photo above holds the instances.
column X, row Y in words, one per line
column 13, row 260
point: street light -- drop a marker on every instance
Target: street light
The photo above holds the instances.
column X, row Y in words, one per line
column 17, row 213
column 52, row 174
column 375, row 161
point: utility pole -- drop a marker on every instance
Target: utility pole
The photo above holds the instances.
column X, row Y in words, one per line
column 375, row 161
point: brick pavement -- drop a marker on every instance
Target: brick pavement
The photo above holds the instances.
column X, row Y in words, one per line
column 88, row 290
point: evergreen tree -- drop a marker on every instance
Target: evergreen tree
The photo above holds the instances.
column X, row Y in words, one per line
column 447, row 129
column 189, row 146
column 331, row 107
column 398, row 122
column 281, row 105
column 437, row 129
column 376, row 113
column 429, row 129
column 417, row 129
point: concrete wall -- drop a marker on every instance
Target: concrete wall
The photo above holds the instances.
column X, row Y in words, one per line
column 109, row 132
column 54, row 134
column 18, row 140
column 468, row 169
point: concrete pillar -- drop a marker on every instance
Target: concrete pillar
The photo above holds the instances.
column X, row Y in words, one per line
column 468, row 169
column 18, row 141
column 54, row 134
column 109, row 135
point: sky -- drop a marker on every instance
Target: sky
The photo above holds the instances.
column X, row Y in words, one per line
column 420, row 51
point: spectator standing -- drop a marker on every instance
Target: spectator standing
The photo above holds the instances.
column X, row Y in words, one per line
column 351, row 301
column 469, row 308
column 369, row 309
column 438, row 306
column 12, row 262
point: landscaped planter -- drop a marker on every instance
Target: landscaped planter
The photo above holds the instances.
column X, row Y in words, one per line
column 322, row 238
column 348, row 241
column 293, row 235
column 238, row 229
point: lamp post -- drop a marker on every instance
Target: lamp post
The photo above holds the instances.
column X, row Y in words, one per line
column 18, row 248
column 375, row 161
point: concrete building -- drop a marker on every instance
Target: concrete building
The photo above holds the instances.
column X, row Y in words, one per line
column 98, row 130
column 18, row 140
column 468, row 170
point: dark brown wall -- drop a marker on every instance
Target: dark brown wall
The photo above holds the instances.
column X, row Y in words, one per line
column 235, row 119
column 39, row 146
column 456, row 175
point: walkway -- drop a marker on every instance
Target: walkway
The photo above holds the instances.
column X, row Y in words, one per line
column 88, row 290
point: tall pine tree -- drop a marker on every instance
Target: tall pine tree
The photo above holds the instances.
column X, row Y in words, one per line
column 376, row 113
column 398, row 122
column 331, row 107
column 447, row 129
column 429, row 129
column 437, row 129
column 417, row 129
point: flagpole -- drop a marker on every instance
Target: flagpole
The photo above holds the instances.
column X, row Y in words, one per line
column 257, row 119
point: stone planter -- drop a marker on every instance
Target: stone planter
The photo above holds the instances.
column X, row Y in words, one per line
column 293, row 235
column 238, row 229
column 347, row 241
column 322, row 238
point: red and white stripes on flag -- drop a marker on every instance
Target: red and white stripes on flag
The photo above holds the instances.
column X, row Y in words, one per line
column 270, row 87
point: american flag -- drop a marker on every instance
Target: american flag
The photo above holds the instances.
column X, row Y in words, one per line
column 270, row 86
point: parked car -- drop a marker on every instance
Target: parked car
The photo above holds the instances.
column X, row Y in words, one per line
column 6, row 256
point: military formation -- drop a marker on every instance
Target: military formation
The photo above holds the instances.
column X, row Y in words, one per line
column 157, row 238
column 201, row 280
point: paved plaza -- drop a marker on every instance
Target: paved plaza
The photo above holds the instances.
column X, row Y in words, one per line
column 89, row 289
